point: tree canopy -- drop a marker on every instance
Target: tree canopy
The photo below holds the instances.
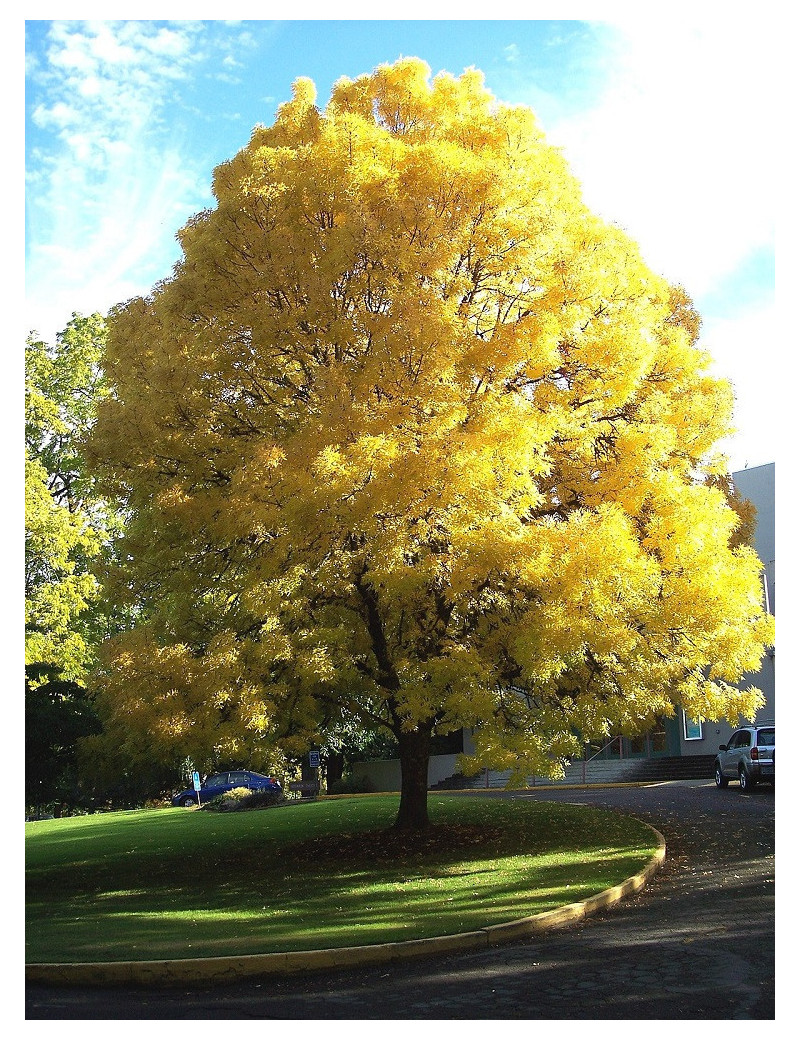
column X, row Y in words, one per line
column 411, row 436
column 67, row 529
column 66, row 525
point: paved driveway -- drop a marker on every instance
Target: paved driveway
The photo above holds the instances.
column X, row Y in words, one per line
column 697, row 943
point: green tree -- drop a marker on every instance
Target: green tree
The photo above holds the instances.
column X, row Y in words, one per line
column 66, row 525
column 67, row 530
column 413, row 437
column 58, row 714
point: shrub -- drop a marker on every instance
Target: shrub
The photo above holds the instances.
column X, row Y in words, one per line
column 241, row 798
column 351, row 785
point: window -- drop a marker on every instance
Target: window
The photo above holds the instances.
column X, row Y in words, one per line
column 692, row 729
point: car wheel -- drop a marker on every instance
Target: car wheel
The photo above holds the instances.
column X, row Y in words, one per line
column 719, row 779
column 188, row 802
column 745, row 782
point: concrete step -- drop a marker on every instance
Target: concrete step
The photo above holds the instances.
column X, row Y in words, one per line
column 599, row 771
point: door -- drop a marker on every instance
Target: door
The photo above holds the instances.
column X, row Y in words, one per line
column 650, row 745
column 216, row 784
column 729, row 758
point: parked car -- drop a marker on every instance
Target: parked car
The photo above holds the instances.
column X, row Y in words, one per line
column 749, row 757
column 219, row 783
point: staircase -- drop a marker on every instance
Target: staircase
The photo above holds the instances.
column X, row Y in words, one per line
column 598, row 771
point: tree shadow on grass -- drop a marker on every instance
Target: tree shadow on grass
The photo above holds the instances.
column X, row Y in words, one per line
column 332, row 889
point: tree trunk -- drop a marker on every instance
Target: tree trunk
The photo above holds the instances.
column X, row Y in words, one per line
column 334, row 767
column 414, row 755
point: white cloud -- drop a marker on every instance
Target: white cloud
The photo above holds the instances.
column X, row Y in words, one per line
column 58, row 115
column 679, row 147
column 107, row 190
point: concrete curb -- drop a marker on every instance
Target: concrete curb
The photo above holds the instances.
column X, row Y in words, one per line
column 215, row 970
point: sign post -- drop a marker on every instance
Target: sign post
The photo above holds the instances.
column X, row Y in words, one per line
column 313, row 764
column 196, row 784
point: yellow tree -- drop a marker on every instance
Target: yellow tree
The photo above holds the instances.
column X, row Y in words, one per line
column 412, row 437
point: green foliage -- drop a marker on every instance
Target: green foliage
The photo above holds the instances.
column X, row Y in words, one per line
column 67, row 525
column 122, row 776
column 356, row 744
column 351, row 785
column 58, row 712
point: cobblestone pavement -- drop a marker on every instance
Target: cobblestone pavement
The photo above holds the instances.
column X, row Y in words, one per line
column 697, row 943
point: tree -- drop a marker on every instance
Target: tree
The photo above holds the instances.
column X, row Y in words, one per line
column 67, row 528
column 58, row 714
column 64, row 524
column 412, row 436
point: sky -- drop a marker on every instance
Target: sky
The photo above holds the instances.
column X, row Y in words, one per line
column 669, row 124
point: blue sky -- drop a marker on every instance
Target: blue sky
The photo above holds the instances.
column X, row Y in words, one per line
column 666, row 123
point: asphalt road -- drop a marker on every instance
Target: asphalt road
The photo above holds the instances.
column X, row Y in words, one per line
column 697, row 943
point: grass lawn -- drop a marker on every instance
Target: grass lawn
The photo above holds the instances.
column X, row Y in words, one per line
column 166, row 883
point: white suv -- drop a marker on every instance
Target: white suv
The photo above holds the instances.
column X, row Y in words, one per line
column 749, row 757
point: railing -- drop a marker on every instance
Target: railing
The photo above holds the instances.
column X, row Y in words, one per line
column 614, row 740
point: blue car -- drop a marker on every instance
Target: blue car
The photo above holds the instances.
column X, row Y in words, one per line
column 219, row 783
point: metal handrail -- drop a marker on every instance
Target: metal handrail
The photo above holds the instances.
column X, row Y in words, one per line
column 614, row 740
column 584, row 760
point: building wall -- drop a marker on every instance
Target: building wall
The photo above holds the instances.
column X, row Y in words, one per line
column 757, row 485
column 384, row 775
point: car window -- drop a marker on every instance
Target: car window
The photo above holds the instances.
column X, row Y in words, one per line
column 217, row 780
column 744, row 739
column 238, row 778
column 766, row 737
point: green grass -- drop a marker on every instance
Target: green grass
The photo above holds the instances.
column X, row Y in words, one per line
column 173, row 883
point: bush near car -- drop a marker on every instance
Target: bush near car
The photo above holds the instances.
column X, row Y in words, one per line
column 223, row 782
column 241, row 799
column 351, row 785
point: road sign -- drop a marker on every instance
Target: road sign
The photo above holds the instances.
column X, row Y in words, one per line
column 313, row 759
column 196, row 780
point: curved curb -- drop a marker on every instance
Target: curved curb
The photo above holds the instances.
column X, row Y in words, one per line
column 235, row 968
